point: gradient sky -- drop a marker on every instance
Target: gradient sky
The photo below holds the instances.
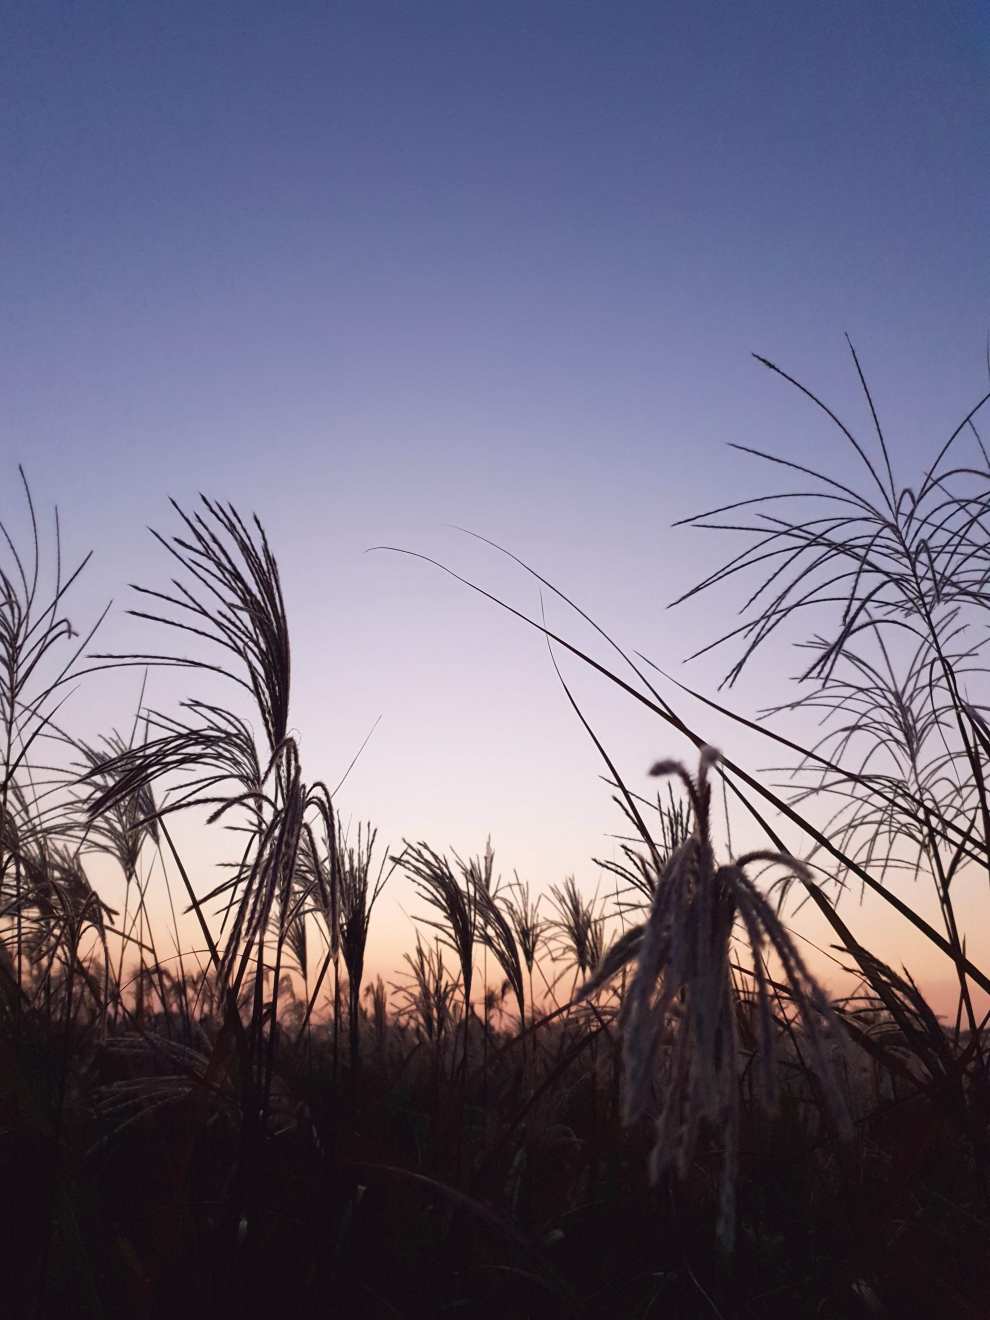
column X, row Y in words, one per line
column 375, row 269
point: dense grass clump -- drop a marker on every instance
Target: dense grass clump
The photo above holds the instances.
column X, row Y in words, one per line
column 638, row 1102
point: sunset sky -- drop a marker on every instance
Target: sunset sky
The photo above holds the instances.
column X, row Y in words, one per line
column 376, row 270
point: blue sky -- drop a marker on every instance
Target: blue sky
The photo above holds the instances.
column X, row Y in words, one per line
column 373, row 269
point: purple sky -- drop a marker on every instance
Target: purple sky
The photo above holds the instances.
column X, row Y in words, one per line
column 374, row 269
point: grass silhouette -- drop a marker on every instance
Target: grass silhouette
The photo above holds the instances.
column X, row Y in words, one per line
column 654, row 1108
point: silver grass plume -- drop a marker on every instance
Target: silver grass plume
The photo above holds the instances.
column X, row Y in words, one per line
column 678, row 1017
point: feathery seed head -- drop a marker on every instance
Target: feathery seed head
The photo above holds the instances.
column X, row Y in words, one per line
column 679, row 1012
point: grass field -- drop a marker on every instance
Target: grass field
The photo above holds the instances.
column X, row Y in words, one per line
column 636, row 1103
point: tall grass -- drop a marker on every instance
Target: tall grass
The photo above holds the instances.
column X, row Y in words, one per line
column 682, row 996
column 528, row 928
column 579, row 927
column 185, row 1117
column 360, row 889
column 456, row 902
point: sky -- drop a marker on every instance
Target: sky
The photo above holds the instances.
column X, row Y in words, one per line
column 379, row 271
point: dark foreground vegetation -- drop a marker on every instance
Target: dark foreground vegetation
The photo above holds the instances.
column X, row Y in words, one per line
column 564, row 1106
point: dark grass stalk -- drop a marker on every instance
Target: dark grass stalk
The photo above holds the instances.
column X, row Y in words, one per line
column 497, row 931
column 682, row 984
column 919, row 557
column 747, row 785
column 579, row 929
column 456, row 903
column 529, row 929
column 360, row 889
column 428, row 1000
column 38, row 662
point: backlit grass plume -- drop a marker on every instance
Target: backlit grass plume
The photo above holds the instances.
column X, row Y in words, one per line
column 496, row 929
column 528, row 927
column 360, row 889
column 579, row 928
column 427, row 1000
column 678, row 1017
column 456, row 904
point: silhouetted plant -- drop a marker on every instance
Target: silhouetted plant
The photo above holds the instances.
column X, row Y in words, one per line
column 495, row 928
column 679, row 1008
column 528, row 926
column 456, row 902
column 901, row 574
column 638, row 870
column 377, row 994
column 40, row 652
column 429, row 996
column 235, row 603
column 579, row 928
column 359, row 892
column 246, row 1156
